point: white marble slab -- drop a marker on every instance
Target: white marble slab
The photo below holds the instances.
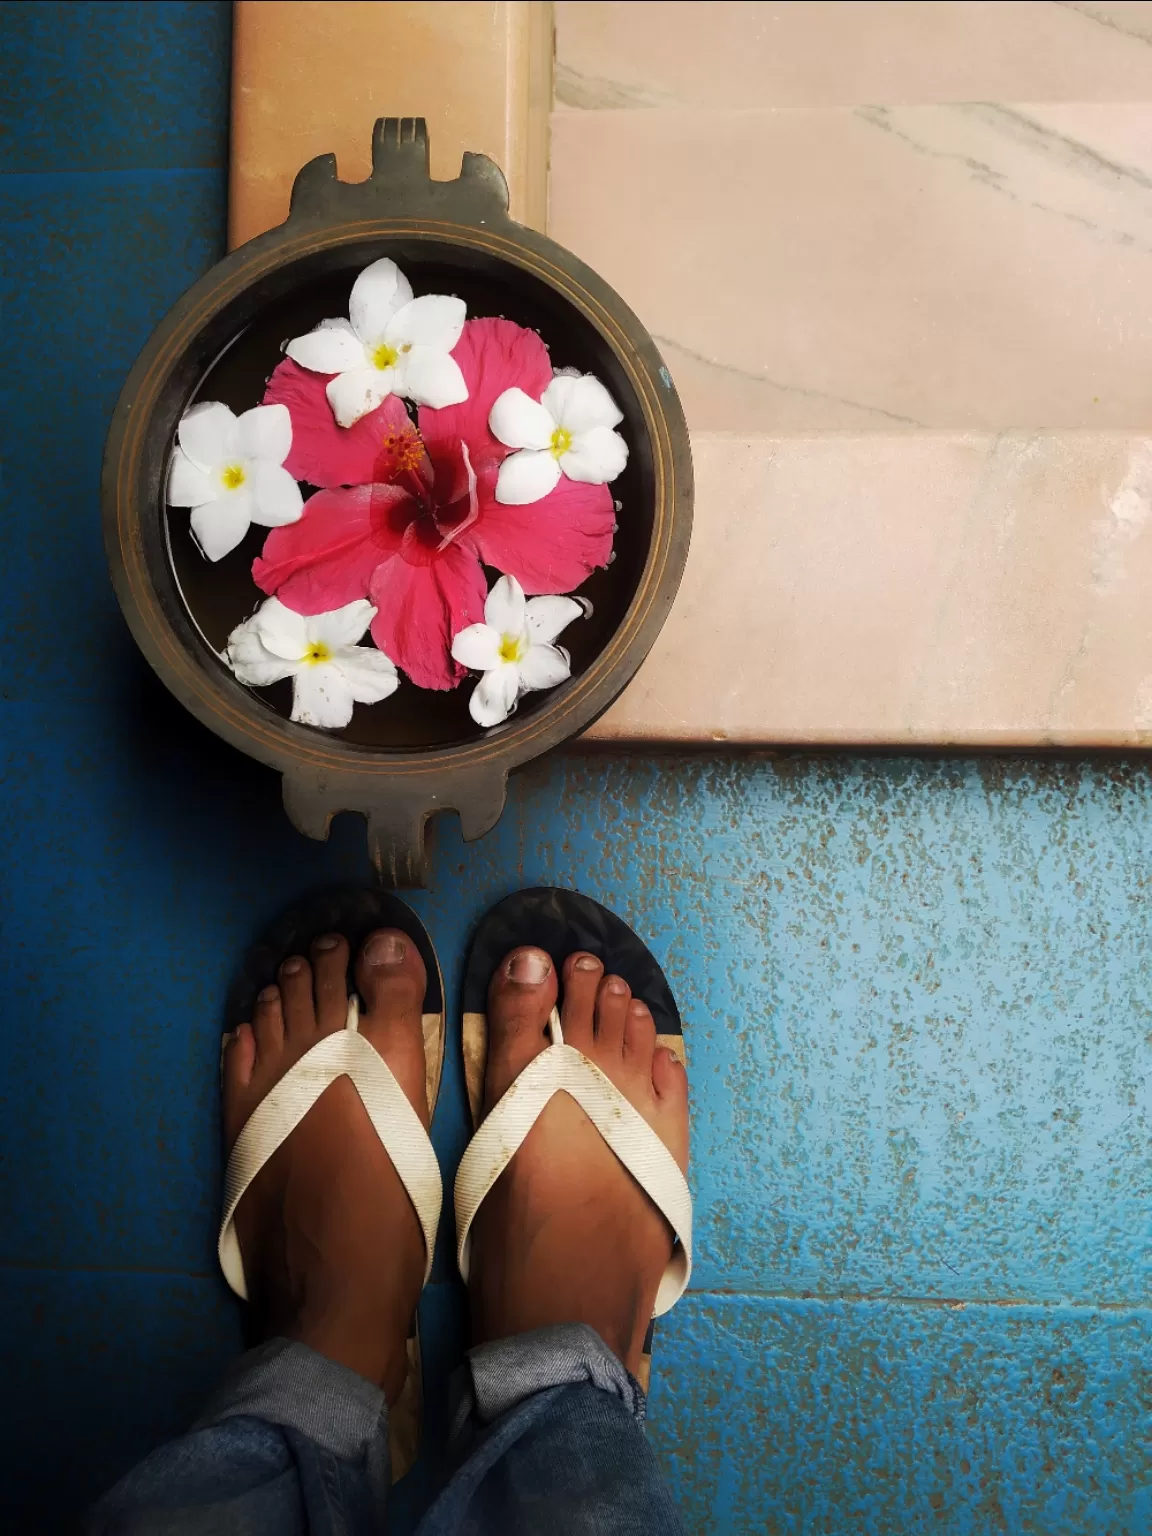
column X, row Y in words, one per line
column 969, row 266
column 799, row 53
column 909, row 588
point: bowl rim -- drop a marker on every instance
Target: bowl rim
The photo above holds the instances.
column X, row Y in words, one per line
column 225, row 705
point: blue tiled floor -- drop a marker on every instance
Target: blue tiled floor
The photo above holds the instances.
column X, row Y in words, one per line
column 917, row 992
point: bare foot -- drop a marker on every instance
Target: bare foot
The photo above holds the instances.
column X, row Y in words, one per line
column 332, row 1248
column 566, row 1235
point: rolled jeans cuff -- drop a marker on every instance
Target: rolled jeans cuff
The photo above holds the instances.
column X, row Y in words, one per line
column 284, row 1382
column 502, row 1374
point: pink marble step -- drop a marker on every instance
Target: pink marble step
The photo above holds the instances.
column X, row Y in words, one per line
column 909, row 588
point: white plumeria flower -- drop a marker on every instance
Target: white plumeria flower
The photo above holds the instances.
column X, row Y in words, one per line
column 392, row 345
column 329, row 671
column 514, row 648
column 230, row 471
column 568, row 431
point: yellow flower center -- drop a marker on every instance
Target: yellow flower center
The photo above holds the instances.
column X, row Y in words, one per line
column 316, row 653
column 561, row 442
column 384, row 356
column 512, row 647
column 233, row 476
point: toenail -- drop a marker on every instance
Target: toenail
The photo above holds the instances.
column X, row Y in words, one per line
column 327, row 941
column 617, row 986
column 637, row 1006
column 290, row 967
column 587, row 963
column 529, row 967
column 386, row 949
column 269, row 994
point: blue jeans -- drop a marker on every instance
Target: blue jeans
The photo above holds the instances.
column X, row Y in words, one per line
column 546, row 1437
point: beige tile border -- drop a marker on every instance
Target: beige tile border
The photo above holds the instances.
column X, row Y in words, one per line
column 309, row 78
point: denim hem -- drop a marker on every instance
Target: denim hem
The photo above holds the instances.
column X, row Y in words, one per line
column 285, row 1382
column 506, row 1371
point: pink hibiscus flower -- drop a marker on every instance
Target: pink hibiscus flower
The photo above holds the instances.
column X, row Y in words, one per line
column 408, row 518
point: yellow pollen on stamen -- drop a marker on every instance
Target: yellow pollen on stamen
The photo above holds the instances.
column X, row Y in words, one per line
column 233, row 476
column 316, row 653
column 561, row 442
column 384, row 356
column 512, row 648
column 406, row 448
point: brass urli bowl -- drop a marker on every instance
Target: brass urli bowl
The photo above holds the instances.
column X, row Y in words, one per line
column 419, row 752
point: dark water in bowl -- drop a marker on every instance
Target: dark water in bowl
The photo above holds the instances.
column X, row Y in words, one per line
column 219, row 596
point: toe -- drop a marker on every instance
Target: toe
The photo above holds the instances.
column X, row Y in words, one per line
column 296, row 998
column 267, row 1028
column 639, row 1034
column 330, row 981
column 611, row 1013
column 236, row 1072
column 670, row 1081
column 521, row 996
column 390, row 976
column 582, row 974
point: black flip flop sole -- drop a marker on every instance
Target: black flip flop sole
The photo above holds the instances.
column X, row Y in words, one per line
column 356, row 912
column 560, row 923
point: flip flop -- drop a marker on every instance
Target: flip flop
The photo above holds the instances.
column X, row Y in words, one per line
column 355, row 914
column 560, row 923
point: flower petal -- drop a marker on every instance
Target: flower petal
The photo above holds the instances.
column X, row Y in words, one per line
column 321, row 695
column 431, row 377
column 494, row 696
column 281, row 630
column 326, row 559
column 219, row 526
column 377, row 294
column 520, row 421
column 353, row 394
column 493, row 355
column 434, row 320
column 342, row 626
column 251, row 661
column 526, row 477
column 332, row 347
column 421, row 607
column 207, row 434
column 552, row 545
column 544, row 666
column 547, row 616
column 188, row 484
column 276, row 497
column 581, row 402
column 477, row 647
column 371, row 675
column 504, row 608
column 595, row 457
column 322, row 452
column 265, row 432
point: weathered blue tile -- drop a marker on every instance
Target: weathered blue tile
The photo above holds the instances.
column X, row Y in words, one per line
column 90, row 264
column 917, row 1000
column 815, row 1418
column 97, row 1370
column 143, row 857
column 109, row 85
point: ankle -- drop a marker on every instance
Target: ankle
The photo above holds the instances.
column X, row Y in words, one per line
column 356, row 1338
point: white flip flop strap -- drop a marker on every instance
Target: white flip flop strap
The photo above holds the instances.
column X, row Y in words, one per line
column 344, row 1054
column 563, row 1069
